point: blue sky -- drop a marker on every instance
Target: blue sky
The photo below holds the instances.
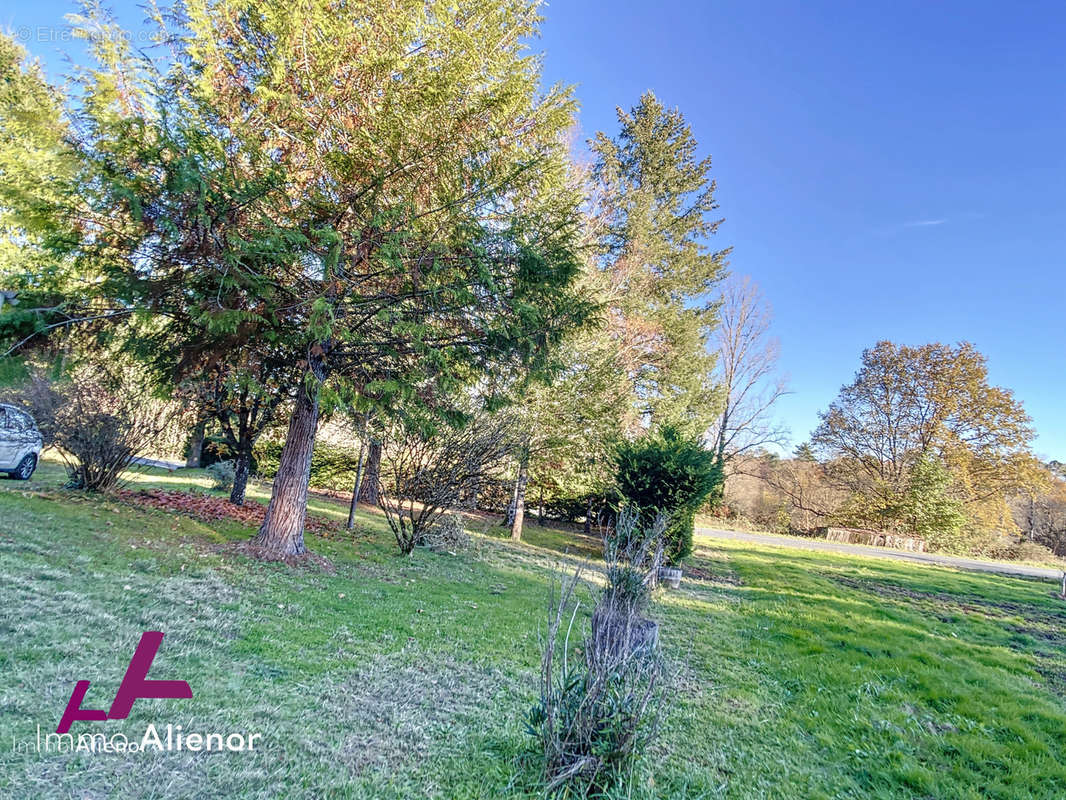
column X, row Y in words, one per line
column 890, row 170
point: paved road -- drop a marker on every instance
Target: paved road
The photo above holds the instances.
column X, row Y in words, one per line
column 155, row 462
column 882, row 552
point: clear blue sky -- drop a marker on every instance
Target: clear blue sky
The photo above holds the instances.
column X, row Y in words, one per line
column 886, row 170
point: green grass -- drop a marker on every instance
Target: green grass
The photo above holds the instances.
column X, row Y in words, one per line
column 13, row 371
column 800, row 674
column 742, row 525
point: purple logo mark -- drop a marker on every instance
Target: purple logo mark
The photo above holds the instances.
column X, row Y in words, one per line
column 135, row 684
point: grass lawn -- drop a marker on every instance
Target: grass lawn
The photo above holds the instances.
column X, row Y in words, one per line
column 800, row 674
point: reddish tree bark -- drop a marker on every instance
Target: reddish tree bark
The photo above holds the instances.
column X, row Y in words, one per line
column 282, row 530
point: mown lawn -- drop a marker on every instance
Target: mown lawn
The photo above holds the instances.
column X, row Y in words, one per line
column 799, row 674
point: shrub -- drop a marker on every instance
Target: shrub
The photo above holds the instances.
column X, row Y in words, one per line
column 222, row 474
column 214, row 449
column 1024, row 550
column 928, row 509
column 424, row 472
column 100, row 418
column 493, row 494
column 332, row 467
column 595, row 715
column 665, row 471
column 564, row 507
column 633, row 556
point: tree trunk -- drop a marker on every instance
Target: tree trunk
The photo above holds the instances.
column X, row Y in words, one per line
column 282, row 531
column 588, row 516
column 520, row 499
column 196, row 445
column 243, row 460
column 514, row 502
column 369, row 492
column 358, row 484
column 241, row 465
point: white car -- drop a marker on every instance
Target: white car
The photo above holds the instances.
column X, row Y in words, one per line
column 20, row 443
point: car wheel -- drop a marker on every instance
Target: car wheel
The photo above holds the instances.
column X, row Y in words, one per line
column 25, row 468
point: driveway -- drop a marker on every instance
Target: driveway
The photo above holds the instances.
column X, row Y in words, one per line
column 1045, row 573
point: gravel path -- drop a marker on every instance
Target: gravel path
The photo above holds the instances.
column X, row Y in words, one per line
column 1001, row 568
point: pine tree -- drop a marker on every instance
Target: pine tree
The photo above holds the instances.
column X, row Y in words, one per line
column 655, row 197
column 37, row 170
column 567, row 427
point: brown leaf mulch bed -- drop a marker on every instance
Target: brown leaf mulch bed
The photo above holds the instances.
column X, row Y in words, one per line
column 208, row 508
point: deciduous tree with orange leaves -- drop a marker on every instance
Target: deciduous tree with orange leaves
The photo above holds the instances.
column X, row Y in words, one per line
column 912, row 407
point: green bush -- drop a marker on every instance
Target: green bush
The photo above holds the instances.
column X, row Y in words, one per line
column 222, row 474
column 667, row 472
column 928, row 509
column 332, row 467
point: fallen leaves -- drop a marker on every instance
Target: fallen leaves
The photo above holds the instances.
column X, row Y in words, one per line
column 207, row 508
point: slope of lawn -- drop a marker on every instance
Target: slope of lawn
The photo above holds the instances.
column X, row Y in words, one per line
column 799, row 674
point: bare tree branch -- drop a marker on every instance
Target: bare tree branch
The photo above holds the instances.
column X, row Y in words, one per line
column 746, row 373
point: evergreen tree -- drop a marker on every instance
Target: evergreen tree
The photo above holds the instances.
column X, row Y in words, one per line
column 382, row 190
column 567, row 427
column 647, row 360
column 37, row 170
column 654, row 200
column 665, row 471
column 928, row 509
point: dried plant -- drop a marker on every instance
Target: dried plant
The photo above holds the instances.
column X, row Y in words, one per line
column 597, row 715
column 634, row 554
column 423, row 474
column 448, row 534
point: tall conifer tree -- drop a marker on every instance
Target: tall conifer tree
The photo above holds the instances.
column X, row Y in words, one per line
column 656, row 198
